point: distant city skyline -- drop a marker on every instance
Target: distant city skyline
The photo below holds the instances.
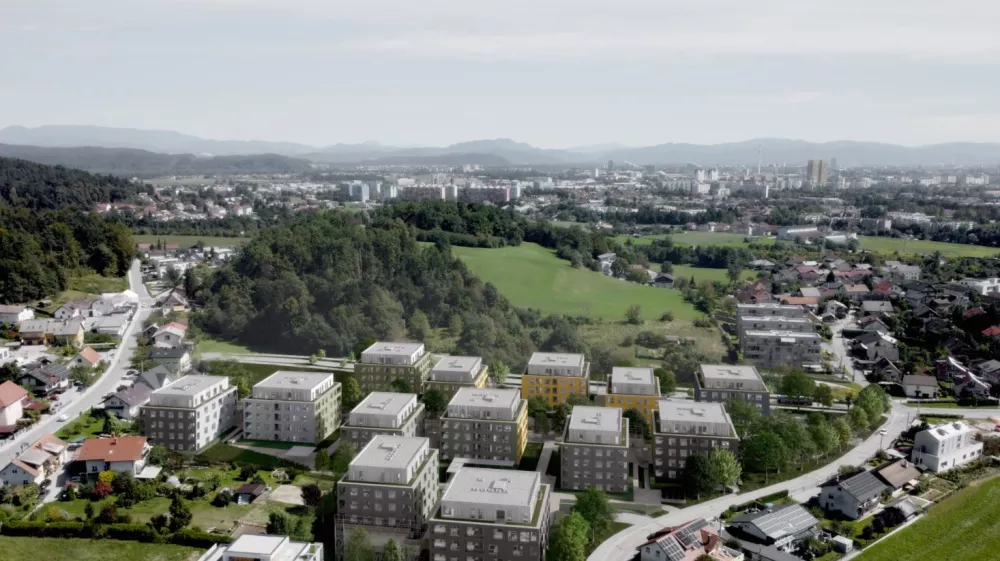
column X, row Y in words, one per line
column 552, row 73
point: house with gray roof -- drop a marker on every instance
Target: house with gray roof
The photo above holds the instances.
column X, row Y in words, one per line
column 127, row 403
column 782, row 526
column 853, row 497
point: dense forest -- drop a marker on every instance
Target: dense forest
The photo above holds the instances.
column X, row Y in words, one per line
column 131, row 162
column 44, row 236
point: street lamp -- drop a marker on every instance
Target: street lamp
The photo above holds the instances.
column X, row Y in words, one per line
column 881, row 436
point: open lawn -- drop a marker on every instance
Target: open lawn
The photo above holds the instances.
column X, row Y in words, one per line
column 96, row 284
column 696, row 238
column 188, row 241
column 961, row 527
column 702, row 273
column 84, row 425
column 203, row 514
column 68, row 549
column 212, row 346
column 925, row 247
column 533, row 277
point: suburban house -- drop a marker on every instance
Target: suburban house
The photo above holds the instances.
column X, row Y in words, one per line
column 687, row 542
column 73, row 309
column 121, row 454
column 872, row 345
column 876, row 307
column 113, row 325
column 854, row 496
column 246, row 494
column 35, row 463
column 15, row 314
column 156, row 377
column 782, row 526
column 12, row 400
column 170, row 335
column 69, row 332
column 175, row 359
column 127, row 403
column 112, row 302
column 971, row 386
column 45, row 378
column 88, row 358
column 175, row 301
column 945, row 447
column 920, row 386
column 897, row 474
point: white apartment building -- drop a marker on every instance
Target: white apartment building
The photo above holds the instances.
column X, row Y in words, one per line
column 190, row 413
column 982, row 286
column 388, row 413
column 945, row 447
column 293, row 407
column 251, row 547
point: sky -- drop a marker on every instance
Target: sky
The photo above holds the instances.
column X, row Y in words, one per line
column 553, row 73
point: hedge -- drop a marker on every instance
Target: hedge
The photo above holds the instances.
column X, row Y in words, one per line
column 196, row 538
column 126, row 532
column 132, row 532
column 47, row 530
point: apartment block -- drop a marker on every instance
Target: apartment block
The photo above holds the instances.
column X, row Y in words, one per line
column 769, row 349
column 555, row 376
column 766, row 310
column 293, row 407
column 382, row 363
column 595, row 450
column 391, row 414
column 249, row 547
column 684, row 428
column 720, row 382
column 454, row 372
column 188, row 414
column 633, row 388
column 491, row 515
column 490, row 425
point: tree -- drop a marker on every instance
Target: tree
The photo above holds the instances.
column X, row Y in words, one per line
column 797, row 384
column 455, row 325
column 825, row 437
column 764, row 452
column 342, row 457
column 109, row 513
column 435, row 402
column 180, row 514
column 359, row 547
column 874, row 401
column 734, row 269
column 637, row 423
column 568, row 540
column 401, row 385
column 633, row 315
column 102, row 489
column 725, row 467
column 279, row 523
column 697, row 475
column 843, row 432
column 858, row 419
column 667, row 267
column 419, row 326
column 823, row 395
column 392, row 551
column 322, row 461
column 537, row 404
column 498, row 372
column 668, row 381
column 223, row 498
column 745, row 416
column 109, row 425
column 311, row 493
column 88, row 510
column 173, row 276
column 350, row 393
column 593, row 505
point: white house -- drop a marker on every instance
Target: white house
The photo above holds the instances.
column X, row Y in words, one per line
column 12, row 400
column 945, row 446
column 120, row 454
column 33, row 465
column 15, row 314
column 170, row 335
column 920, row 386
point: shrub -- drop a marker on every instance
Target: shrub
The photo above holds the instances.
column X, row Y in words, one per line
column 134, row 532
column 195, row 538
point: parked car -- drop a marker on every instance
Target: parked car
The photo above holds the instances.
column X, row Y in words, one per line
column 63, row 418
column 45, row 483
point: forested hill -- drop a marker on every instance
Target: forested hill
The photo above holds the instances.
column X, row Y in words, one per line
column 329, row 281
column 40, row 187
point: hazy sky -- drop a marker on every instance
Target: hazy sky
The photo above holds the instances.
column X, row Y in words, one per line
column 555, row 73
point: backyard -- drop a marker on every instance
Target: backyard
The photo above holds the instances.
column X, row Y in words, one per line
column 69, row 549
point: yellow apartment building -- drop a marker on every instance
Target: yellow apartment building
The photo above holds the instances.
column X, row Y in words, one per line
column 555, row 376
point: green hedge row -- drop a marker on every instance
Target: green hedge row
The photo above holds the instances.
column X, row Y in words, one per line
column 128, row 532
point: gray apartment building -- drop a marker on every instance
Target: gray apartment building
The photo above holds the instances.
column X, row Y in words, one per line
column 382, row 363
column 454, row 372
column 293, row 407
column 491, row 515
column 390, row 489
column 769, row 310
column 684, row 428
column 595, row 450
column 769, row 349
column 720, row 382
column 392, row 414
column 190, row 413
column 488, row 424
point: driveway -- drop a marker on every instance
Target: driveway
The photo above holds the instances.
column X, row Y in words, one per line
column 839, row 348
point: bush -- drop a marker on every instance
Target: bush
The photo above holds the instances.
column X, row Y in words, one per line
column 133, row 532
column 223, row 498
column 44, row 530
column 196, row 538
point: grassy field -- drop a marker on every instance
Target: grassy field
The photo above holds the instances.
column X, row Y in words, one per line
column 84, row 425
column 924, row 247
column 962, row 527
column 702, row 273
column 188, row 241
column 696, row 238
column 68, row 549
column 225, row 347
column 533, row 277
column 96, row 284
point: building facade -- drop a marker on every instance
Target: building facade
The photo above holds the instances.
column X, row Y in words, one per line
column 718, row 383
column 683, row 429
column 392, row 414
column 293, row 407
column 489, row 424
column 633, row 388
column 556, row 376
column 454, row 372
column 595, row 450
column 771, row 349
column 383, row 363
column 946, row 447
column 188, row 414
column 250, row 547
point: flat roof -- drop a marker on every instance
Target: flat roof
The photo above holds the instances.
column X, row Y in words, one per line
column 284, row 379
column 730, row 372
column 596, row 418
column 458, row 364
column 692, row 411
column 384, row 403
column 556, row 359
column 390, row 348
column 486, row 397
column 783, row 334
column 252, row 543
column 631, row 375
column 191, row 384
column 390, row 451
column 493, row 487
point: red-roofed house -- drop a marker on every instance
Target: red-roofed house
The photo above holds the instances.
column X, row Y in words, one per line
column 117, row 453
column 170, row 335
column 991, row 331
column 12, row 400
column 974, row 312
column 36, row 463
column 687, row 542
column 88, row 357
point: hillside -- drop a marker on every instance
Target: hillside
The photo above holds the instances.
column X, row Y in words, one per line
column 133, row 162
column 36, row 187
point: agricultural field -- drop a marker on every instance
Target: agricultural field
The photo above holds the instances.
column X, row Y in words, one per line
column 533, row 277
column 961, row 527
column 696, row 238
column 188, row 241
column 925, row 247
column 69, row 549
column 702, row 273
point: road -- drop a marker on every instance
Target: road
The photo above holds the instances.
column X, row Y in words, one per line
column 621, row 546
column 94, row 395
column 838, row 346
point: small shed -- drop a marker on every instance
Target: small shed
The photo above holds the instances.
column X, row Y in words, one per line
column 248, row 493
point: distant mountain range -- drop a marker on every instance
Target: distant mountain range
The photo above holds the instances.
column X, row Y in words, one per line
column 504, row 152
